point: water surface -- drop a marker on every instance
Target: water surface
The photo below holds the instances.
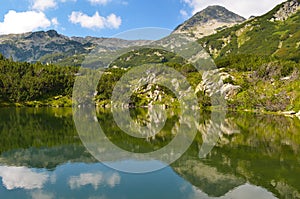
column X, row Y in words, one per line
column 42, row 156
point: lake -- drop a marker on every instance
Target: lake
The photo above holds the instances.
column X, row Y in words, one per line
column 42, row 156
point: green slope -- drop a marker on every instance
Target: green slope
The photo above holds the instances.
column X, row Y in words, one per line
column 259, row 36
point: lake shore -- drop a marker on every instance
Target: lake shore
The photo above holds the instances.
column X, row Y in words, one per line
column 66, row 102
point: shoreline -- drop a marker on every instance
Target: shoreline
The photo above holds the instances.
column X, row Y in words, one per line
column 61, row 104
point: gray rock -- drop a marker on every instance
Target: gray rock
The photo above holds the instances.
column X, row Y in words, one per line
column 209, row 21
column 212, row 83
column 288, row 9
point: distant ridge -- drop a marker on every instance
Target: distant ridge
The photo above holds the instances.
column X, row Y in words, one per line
column 52, row 47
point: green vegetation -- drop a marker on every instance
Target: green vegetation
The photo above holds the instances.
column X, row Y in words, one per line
column 259, row 36
column 28, row 127
column 35, row 84
column 261, row 56
column 266, row 84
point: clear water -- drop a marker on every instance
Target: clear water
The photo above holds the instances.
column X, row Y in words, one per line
column 257, row 156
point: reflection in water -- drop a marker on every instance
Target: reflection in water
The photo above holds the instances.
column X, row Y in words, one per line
column 94, row 179
column 257, row 156
column 41, row 195
column 22, row 177
column 245, row 191
column 212, row 131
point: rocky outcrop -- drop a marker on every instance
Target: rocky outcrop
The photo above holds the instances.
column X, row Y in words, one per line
column 213, row 82
column 291, row 114
column 288, row 9
column 209, row 21
column 298, row 115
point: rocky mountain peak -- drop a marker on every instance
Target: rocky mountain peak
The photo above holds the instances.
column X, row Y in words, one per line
column 43, row 34
column 286, row 10
column 219, row 13
column 52, row 33
column 208, row 21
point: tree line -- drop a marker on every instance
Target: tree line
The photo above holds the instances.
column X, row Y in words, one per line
column 20, row 81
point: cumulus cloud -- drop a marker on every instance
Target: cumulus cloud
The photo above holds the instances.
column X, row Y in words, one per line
column 42, row 5
column 113, row 21
column 94, row 179
column 20, row 22
column 54, row 21
column 244, row 8
column 96, row 21
column 100, row 2
column 22, row 177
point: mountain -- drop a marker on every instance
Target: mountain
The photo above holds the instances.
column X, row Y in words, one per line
column 51, row 47
column 208, row 21
column 275, row 34
column 262, row 56
column 258, row 61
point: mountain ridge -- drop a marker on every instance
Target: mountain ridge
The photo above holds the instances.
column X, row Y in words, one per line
column 221, row 32
column 50, row 46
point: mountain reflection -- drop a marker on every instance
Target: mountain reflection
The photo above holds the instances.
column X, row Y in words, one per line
column 256, row 156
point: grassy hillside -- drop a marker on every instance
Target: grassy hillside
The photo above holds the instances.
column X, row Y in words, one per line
column 262, row 55
column 259, row 36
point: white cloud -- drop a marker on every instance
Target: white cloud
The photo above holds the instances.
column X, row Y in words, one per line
column 20, row 22
column 100, row 2
column 63, row 1
column 95, row 21
column 22, row 177
column 54, row 21
column 42, row 5
column 125, row 3
column 184, row 14
column 94, row 179
column 244, row 8
column 113, row 21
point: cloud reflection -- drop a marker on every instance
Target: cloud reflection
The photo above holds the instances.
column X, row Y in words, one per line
column 42, row 195
column 94, row 179
column 22, row 177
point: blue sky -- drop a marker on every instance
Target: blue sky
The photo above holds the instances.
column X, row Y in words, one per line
column 105, row 18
